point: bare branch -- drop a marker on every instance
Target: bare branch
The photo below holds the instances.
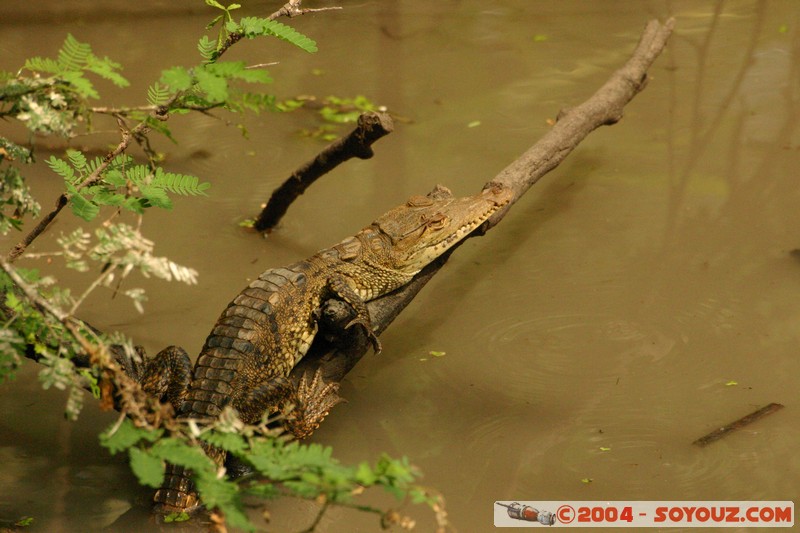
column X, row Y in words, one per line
column 358, row 143
column 292, row 9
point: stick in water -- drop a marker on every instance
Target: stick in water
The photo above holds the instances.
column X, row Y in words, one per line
column 739, row 424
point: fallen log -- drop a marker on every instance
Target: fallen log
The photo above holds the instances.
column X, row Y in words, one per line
column 336, row 353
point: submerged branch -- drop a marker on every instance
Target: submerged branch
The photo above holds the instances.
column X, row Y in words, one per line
column 358, row 143
column 604, row 107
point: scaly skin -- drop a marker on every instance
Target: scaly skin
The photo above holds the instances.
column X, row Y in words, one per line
column 270, row 325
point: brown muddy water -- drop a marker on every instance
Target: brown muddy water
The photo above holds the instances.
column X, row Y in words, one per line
column 612, row 308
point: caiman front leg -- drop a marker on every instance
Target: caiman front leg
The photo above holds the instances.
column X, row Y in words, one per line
column 340, row 288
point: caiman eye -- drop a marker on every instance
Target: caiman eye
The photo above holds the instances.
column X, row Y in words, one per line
column 419, row 201
column 436, row 221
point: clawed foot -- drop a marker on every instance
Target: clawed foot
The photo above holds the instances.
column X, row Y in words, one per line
column 373, row 339
column 313, row 400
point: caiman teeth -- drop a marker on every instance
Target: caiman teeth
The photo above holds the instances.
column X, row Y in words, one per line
column 468, row 227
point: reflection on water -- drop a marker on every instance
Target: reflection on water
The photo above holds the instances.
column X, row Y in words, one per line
column 614, row 308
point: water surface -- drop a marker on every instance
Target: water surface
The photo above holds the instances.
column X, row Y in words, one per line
column 609, row 309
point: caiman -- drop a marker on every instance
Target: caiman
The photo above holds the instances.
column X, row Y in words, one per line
column 270, row 325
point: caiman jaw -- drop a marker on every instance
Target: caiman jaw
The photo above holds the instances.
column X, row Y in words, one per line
column 427, row 226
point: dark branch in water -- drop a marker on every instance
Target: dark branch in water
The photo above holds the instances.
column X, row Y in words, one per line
column 358, row 143
column 337, row 356
column 738, row 424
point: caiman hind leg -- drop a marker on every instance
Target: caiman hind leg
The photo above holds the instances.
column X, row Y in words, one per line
column 313, row 400
column 166, row 376
column 304, row 407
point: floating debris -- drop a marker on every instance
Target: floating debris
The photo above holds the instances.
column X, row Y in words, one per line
column 738, row 424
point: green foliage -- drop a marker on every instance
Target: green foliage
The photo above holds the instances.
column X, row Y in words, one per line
column 253, row 27
column 15, row 197
column 345, row 110
column 51, row 99
column 126, row 435
column 291, row 468
column 10, row 345
column 122, row 185
column 148, row 468
column 333, row 111
column 157, row 95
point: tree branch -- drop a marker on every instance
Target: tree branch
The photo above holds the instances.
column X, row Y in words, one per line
column 336, row 353
column 358, row 143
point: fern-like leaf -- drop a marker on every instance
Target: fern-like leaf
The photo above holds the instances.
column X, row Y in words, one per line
column 77, row 159
column 176, row 78
column 42, row 64
column 157, row 95
column 80, row 84
column 180, row 183
column 73, row 54
column 107, row 69
column 255, row 27
column 62, row 168
column 206, row 47
column 215, row 87
column 83, row 208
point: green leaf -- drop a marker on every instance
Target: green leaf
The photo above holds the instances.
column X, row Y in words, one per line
column 206, row 47
column 231, row 442
column 25, row 521
column 214, row 3
column 255, row 27
column 83, row 208
column 223, row 494
column 73, row 54
column 364, row 475
column 62, row 168
column 177, row 452
column 126, row 436
column 180, row 183
column 255, row 76
column 148, row 469
column 157, row 95
column 176, row 78
column 107, row 69
column 42, row 64
column 214, row 21
column 137, row 205
column 214, row 87
column 81, row 85
column 177, row 517
column 77, row 159
column 156, row 196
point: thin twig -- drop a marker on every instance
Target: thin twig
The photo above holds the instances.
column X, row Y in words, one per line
column 292, row 9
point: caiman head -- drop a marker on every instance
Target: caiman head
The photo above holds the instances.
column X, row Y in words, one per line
column 425, row 227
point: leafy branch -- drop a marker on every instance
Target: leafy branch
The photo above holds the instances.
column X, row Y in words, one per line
column 52, row 96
